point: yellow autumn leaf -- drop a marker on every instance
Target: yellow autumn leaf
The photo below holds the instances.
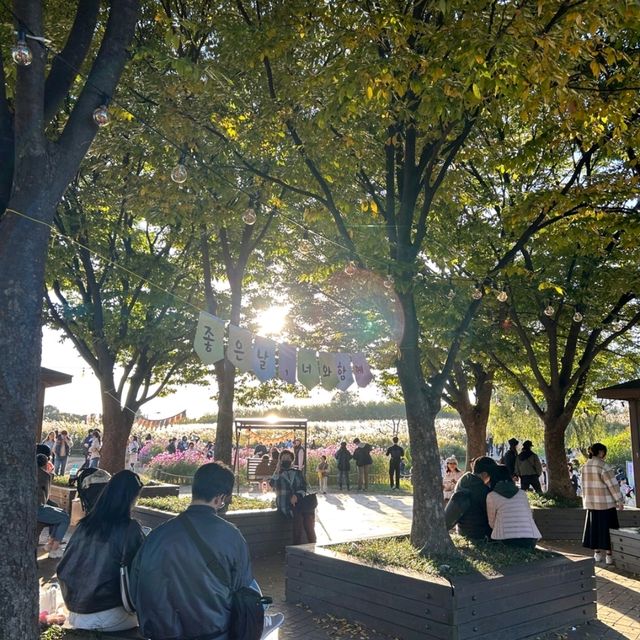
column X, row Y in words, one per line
column 373, row 206
column 369, row 92
column 476, row 91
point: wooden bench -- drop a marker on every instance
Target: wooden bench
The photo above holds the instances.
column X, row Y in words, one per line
column 252, row 467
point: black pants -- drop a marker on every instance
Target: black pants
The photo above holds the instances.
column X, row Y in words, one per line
column 304, row 526
column 531, row 481
column 394, row 470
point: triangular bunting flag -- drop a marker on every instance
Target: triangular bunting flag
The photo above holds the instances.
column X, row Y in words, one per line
column 361, row 370
column 264, row 359
column 287, row 362
column 308, row 374
column 328, row 370
column 239, row 348
column 209, row 340
column 343, row 369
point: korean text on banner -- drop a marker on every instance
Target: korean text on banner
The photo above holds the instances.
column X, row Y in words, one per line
column 308, row 374
column 343, row 369
column 287, row 362
column 361, row 369
column 209, row 340
column 264, row 359
column 328, row 370
column 239, row 349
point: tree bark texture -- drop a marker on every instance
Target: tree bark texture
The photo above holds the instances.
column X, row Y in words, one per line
column 556, row 455
column 117, row 422
column 41, row 173
column 422, row 403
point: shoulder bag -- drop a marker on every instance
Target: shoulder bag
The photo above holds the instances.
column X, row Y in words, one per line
column 247, row 605
column 125, row 594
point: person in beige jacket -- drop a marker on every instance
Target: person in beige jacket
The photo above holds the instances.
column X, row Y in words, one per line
column 529, row 468
column 508, row 511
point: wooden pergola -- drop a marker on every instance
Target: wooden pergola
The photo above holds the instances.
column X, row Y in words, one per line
column 629, row 391
column 48, row 378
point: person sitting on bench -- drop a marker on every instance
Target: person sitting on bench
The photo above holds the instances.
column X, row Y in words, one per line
column 56, row 519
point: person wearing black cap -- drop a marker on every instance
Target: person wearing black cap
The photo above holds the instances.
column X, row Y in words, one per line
column 509, row 458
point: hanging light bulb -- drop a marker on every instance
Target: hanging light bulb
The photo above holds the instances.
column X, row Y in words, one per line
column 577, row 317
column 179, row 172
column 549, row 311
column 101, row 116
column 451, row 295
column 503, row 296
column 350, row 269
column 388, row 281
column 476, row 294
column 305, row 246
column 249, row 217
column 20, row 52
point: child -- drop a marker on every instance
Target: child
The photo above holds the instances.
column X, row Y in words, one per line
column 323, row 474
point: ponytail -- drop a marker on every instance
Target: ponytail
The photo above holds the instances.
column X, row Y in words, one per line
column 595, row 449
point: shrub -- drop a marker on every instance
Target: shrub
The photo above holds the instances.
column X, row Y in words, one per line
column 177, row 504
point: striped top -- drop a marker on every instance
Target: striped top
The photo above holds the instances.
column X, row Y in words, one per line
column 511, row 517
column 600, row 489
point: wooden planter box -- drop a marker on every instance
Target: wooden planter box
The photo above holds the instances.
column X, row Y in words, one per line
column 568, row 524
column 522, row 602
column 266, row 531
column 65, row 495
column 625, row 546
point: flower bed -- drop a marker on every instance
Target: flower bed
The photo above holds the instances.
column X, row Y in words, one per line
column 516, row 602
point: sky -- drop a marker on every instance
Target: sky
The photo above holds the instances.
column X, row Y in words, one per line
column 83, row 394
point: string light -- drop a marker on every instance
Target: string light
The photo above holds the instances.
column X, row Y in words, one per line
column 477, row 294
column 305, row 246
column 549, row 311
column 577, row 317
column 388, row 281
column 502, row 296
column 101, row 116
column 350, row 269
column 451, row 295
column 249, row 217
column 20, row 52
column 179, row 172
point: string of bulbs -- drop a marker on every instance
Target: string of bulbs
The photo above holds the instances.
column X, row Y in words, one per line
column 22, row 56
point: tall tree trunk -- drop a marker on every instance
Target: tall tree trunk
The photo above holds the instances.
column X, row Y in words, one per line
column 23, row 246
column 555, row 451
column 422, row 403
column 117, row 422
column 475, row 426
column 225, row 375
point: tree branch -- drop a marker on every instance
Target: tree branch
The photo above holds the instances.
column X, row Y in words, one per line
column 67, row 63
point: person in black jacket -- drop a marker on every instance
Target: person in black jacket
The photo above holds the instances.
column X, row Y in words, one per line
column 468, row 505
column 177, row 596
column 362, row 456
column 395, row 453
column 343, row 457
column 89, row 572
column 509, row 458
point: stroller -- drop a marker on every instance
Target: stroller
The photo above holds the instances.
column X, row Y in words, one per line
column 91, row 482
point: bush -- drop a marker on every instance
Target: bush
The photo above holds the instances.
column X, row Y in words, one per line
column 177, row 504
column 618, row 448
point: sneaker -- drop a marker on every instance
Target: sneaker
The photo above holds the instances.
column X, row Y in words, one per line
column 56, row 553
column 608, row 559
column 597, row 556
column 271, row 623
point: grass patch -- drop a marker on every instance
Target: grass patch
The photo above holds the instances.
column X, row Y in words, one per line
column 177, row 504
column 553, row 502
column 58, row 633
column 63, row 481
column 488, row 558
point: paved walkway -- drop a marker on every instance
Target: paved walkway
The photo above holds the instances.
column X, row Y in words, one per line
column 350, row 516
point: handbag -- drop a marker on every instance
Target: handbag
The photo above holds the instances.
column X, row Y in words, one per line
column 247, row 604
column 308, row 503
column 125, row 593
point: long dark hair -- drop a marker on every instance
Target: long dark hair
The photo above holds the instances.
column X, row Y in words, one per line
column 113, row 507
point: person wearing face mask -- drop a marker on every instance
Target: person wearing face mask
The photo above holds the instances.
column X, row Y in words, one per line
column 291, row 488
column 467, row 508
column 176, row 594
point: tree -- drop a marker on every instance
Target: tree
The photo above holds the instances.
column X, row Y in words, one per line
column 122, row 291
column 370, row 109
column 38, row 162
